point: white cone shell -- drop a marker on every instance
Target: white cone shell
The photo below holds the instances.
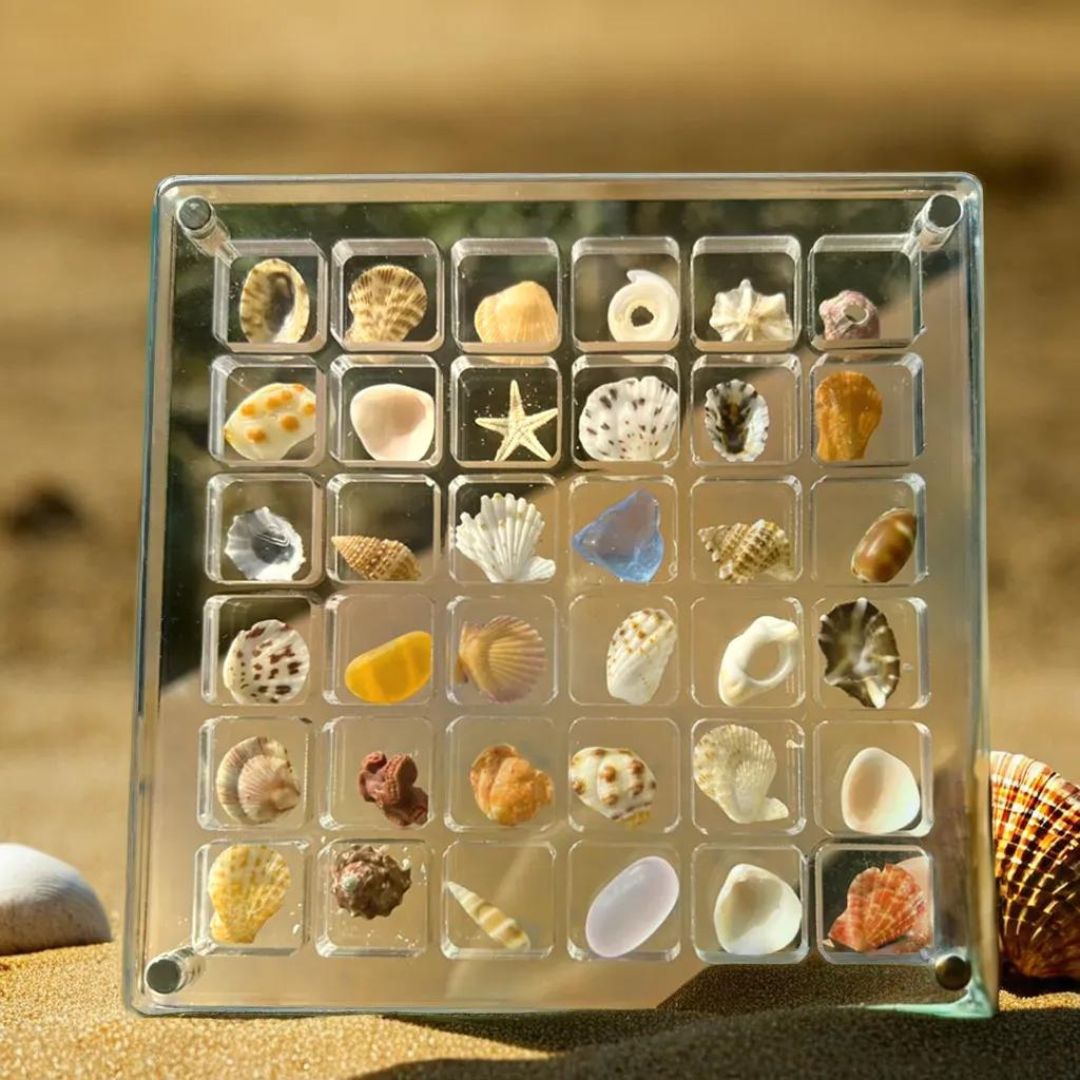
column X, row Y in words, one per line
column 629, row 420
column 756, row 912
column 394, row 422
column 735, row 767
column 501, row 539
column 736, row 684
column 653, row 293
column 638, row 655
column 879, row 793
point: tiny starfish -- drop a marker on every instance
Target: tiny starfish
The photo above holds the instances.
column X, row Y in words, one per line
column 517, row 428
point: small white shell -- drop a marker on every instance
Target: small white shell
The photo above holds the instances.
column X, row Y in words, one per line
column 756, row 912
column 495, row 923
column 268, row 423
column 735, row 767
column 638, row 655
column 879, row 793
column 263, row 546
column 502, row 539
column 652, row 295
column 615, row 783
column 741, row 314
column 736, row 420
column 394, row 422
column 736, row 684
column 629, row 420
column 266, row 664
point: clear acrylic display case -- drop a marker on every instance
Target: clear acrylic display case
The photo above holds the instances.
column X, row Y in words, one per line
column 894, row 261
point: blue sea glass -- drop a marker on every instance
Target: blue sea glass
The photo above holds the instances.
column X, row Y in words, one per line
column 625, row 539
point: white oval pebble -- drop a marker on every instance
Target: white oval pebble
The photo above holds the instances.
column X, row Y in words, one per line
column 630, row 908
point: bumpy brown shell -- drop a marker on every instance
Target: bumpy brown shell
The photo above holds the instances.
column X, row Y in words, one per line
column 390, row 783
column 743, row 551
column 368, row 882
column 374, row 559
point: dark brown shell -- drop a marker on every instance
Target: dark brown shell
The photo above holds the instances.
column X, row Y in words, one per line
column 861, row 654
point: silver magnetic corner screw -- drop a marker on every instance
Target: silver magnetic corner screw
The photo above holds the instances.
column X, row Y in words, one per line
column 952, row 971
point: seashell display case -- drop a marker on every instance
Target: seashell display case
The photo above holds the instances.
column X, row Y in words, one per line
column 559, row 589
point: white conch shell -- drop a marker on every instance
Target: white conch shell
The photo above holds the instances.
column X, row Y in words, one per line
column 735, row 767
column 45, row 903
column 269, row 422
column 756, row 912
column 736, row 684
column 879, row 793
column 393, row 421
column 266, row 664
column 629, row 420
column 495, row 923
column 741, row 314
column 638, row 655
column 615, row 783
column 502, row 539
column 264, row 546
column 653, row 294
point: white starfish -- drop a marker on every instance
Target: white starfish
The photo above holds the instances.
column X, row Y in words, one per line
column 517, row 428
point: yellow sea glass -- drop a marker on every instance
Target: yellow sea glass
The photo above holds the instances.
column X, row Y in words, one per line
column 393, row 671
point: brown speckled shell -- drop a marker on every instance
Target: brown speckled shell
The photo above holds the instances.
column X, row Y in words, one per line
column 743, row 551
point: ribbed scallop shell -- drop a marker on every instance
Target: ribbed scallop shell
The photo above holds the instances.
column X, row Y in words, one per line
column 736, row 420
column 255, row 782
column 847, row 411
column 638, row 655
column 247, row 886
column 735, row 767
column 275, row 304
column 885, row 547
column 522, row 314
column 629, row 420
column 387, row 303
column 264, row 546
column 495, row 923
column 742, row 551
column 267, row 664
column 884, row 907
column 269, row 422
column 503, row 658
column 861, row 654
column 501, row 539
column 615, row 783
column 646, row 293
column 375, row 559
column 508, row 788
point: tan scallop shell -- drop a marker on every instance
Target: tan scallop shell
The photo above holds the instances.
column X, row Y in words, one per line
column 615, row 783
column 502, row 658
column 247, row 886
column 847, row 411
column 387, row 303
column 255, row 782
column 742, row 551
column 275, row 304
column 375, row 559
column 522, row 314
column 508, row 789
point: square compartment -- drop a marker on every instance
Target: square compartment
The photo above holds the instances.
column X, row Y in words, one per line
column 218, row 736
column 599, row 267
column 519, row 879
column 778, row 380
column 772, row 264
column 788, row 785
column 351, row 258
column 836, row 744
column 657, row 743
column 230, row 274
column 295, row 498
column 347, row 741
column 483, row 267
column 403, row 933
column 841, row 511
column 591, row 866
column 402, row 508
column 712, row 863
column 481, row 387
column 351, row 375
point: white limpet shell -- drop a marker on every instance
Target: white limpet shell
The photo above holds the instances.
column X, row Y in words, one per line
column 735, row 767
column 879, row 793
column 266, row 664
column 631, row 907
column 756, row 912
column 269, row 422
column 264, row 546
column 629, row 420
column 638, row 655
column 741, row 314
column 394, row 422
column 495, row 923
column 649, row 293
column 615, row 783
column 736, row 684
column 501, row 539
column 45, row 903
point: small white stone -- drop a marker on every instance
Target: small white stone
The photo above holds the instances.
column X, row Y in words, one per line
column 631, row 907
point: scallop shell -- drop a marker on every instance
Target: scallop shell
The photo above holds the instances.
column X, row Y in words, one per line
column 884, row 907
column 247, row 886
column 268, row 423
column 648, row 295
column 507, row 788
column 743, row 551
column 849, row 315
column 757, row 913
column 638, row 655
column 502, row 540
column 879, row 793
column 372, row 558
column 267, row 664
column 736, row 420
column 495, row 923
column 735, row 683
column 387, row 303
column 735, row 767
column 615, row 783
column 255, row 782
column 503, row 658
column 275, row 304
column 394, row 422
column 847, row 411
column 629, row 420
column 885, row 547
column 263, row 546
column 522, row 314
column 741, row 314
column 861, row 654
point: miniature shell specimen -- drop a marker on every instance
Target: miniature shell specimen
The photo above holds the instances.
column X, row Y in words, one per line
column 735, row 767
column 885, row 547
column 495, row 923
column 847, row 411
column 372, row 558
column 264, row 546
column 522, row 314
column 507, row 788
column 638, row 655
column 503, row 658
column 390, row 783
column 848, row 315
column 879, row 793
column 387, row 303
column 742, row 551
column 367, row 881
column 756, row 912
column 615, row 783
column 1036, row 822
column 394, row 422
column 629, row 420
column 45, row 903
column 393, row 671
column 502, row 539
column 247, row 884
column 736, row 420
column 631, row 907
column 741, row 314
column 884, row 907
column 736, row 684
column 275, row 304
column 861, row 654
column 645, row 310
column 268, row 423
column 267, row 664
column 255, row 782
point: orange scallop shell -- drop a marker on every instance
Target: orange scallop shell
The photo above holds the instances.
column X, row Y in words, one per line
column 847, row 411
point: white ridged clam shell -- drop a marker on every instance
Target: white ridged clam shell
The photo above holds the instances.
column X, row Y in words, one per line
column 879, row 793
column 615, row 783
column 263, row 546
column 736, row 684
column 649, row 293
column 267, row 664
column 629, row 420
column 501, row 539
column 393, row 421
column 638, row 655
column 756, row 912
column 735, row 767
column 495, row 923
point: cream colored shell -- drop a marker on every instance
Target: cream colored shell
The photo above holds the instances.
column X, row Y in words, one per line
column 638, row 655
column 615, row 783
column 269, row 422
